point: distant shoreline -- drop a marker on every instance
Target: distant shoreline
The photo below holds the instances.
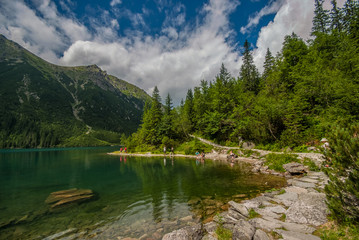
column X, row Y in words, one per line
column 211, row 156
column 151, row 155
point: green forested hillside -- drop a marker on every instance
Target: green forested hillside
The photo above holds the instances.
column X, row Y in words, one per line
column 305, row 90
column 44, row 105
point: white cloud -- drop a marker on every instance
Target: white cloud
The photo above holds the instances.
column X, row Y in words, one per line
column 293, row 16
column 46, row 36
column 270, row 8
column 115, row 2
column 174, row 61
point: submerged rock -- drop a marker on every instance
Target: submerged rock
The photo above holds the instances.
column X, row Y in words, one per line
column 64, row 197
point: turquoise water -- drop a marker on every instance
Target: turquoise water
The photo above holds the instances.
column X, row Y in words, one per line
column 135, row 196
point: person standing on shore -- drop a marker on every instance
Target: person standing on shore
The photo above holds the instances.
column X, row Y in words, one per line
column 164, row 150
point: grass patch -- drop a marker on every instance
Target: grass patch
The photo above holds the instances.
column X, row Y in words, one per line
column 275, row 161
column 308, row 162
column 282, row 191
column 275, row 235
column 253, row 214
column 333, row 231
column 222, row 233
column 272, row 190
column 283, row 217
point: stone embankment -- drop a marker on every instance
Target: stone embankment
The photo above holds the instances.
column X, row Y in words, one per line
column 292, row 213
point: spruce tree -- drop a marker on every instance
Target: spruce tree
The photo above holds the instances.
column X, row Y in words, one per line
column 248, row 72
column 167, row 119
column 336, row 15
column 268, row 63
column 320, row 20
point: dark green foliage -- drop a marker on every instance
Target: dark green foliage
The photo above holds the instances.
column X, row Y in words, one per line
column 305, row 89
column 343, row 189
column 45, row 105
column 249, row 73
column 321, row 18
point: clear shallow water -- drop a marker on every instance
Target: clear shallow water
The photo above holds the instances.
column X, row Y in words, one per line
column 136, row 196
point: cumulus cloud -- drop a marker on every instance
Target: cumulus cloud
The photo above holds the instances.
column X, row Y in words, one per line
column 292, row 16
column 174, row 61
column 271, row 8
column 115, row 2
column 47, row 36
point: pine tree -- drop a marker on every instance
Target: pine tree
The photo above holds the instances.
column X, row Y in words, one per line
column 351, row 17
column 336, row 17
column 320, row 20
column 268, row 63
column 248, row 72
column 188, row 110
column 152, row 120
column 167, row 119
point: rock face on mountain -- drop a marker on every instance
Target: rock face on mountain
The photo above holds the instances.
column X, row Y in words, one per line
column 48, row 105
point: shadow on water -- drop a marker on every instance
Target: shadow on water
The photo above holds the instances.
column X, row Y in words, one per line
column 136, row 196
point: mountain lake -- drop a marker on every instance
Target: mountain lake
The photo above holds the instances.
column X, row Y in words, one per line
column 134, row 197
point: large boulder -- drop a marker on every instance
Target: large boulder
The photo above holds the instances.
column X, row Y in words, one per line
column 187, row 233
column 295, row 168
column 65, row 197
column 243, row 230
column 260, row 235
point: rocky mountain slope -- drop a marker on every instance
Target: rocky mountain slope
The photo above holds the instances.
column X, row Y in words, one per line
column 45, row 105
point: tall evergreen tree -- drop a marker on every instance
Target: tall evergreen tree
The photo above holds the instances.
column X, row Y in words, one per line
column 248, row 72
column 351, row 18
column 321, row 18
column 188, row 109
column 336, row 15
column 153, row 119
column 167, row 119
column 268, row 63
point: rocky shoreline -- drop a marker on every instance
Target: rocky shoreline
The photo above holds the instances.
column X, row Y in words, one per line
column 293, row 213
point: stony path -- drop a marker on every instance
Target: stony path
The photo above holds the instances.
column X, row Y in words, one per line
column 293, row 214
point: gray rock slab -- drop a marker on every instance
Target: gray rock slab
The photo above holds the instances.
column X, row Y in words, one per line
column 210, row 227
column 276, row 209
column 309, row 180
column 295, row 189
column 243, row 230
column 186, row 233
column 309, row 209
column 295, row 168
column 209, row 237
column 234, row 214
column 260, row 235
column 239, row 208
column 180, row 234
column 287, row 198
column 301, row 184
column 267, row 213
column 289, row 235
column 265, row 224
column 294, row 227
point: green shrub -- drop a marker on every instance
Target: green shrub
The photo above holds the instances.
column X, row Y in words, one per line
column 343, row 187
column 312, row 167
column 275, row 161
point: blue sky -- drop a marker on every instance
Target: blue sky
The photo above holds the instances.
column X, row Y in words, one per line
column 171, row 44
